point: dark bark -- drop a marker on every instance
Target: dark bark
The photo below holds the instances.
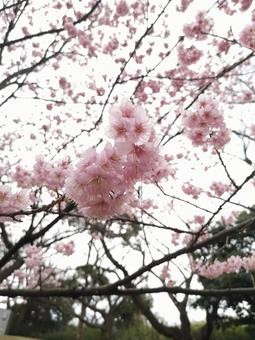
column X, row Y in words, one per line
column 211, row 317
column 80, row 328
column 185, row 324
column 171, row 332
column 107, row 328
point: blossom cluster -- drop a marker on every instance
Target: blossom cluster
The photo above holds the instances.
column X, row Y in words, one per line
column 10, row 202
column 65, row 248
column 232, row 265
column 175, row 239
column 223, row 46
column 220, row 188
column 104, row 182
column 34, row 256
column 122, row 8
column 43, row 174
column 35, row 272
column 33, row 277
column 166, row 277
column 199, row 28
column 188, row 56
column 199, row 219
column 245, row 4
column 84, row 39
column 206, row 126
column 228, row 6
column 184, row 5
column 190, row 189
column 247, row 36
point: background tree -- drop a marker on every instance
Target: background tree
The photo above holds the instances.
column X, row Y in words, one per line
column 40, row 316
column 241, row 306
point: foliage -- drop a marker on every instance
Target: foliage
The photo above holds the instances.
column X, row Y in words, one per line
column 39, row 316
column 137, row 330
column 140, row 330
column 69, row 333
column 243, row 306
column 234, row 333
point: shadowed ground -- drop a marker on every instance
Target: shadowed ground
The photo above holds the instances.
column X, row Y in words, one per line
column 9, row 337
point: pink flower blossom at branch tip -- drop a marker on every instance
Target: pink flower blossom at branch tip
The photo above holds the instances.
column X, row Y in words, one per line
column 184, row 4
column 103, row 182
column 232, row 265
column 43, row 173
column 34, row 256
column 65, row 248
column 199, row 28
column 12, row 202
column 122, row 8
column 247, row 36
column 220, row 188
column 190, row 189
column 206, row 126
column 188, row 56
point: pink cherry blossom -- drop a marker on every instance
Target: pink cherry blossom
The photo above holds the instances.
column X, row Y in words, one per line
column 232, row 265
column 43, row 173
column 65, row 248
column 184, row 4
column 34, row 256
column 188, row 56
column 122, row 8
column 247, row 36
column 220, row 188
column 166, row 277
column 103, row 182
column 199, row 28
column 10, row 202
column 206, row 126
column 190, row 189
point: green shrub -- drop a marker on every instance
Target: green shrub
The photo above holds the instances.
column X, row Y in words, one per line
column 139, row 330
column 241, row 332
column 70, row 334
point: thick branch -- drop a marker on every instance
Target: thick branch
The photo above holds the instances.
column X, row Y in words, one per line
column 108, row 291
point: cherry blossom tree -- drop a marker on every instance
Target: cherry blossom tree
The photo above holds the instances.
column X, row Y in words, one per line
column 237, row 249
column 126, row 132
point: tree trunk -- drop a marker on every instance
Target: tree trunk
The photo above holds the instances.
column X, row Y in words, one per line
column 107, row 328
column 80, row 328
column 185, row 324
column 173, row 332
column 210, row 321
